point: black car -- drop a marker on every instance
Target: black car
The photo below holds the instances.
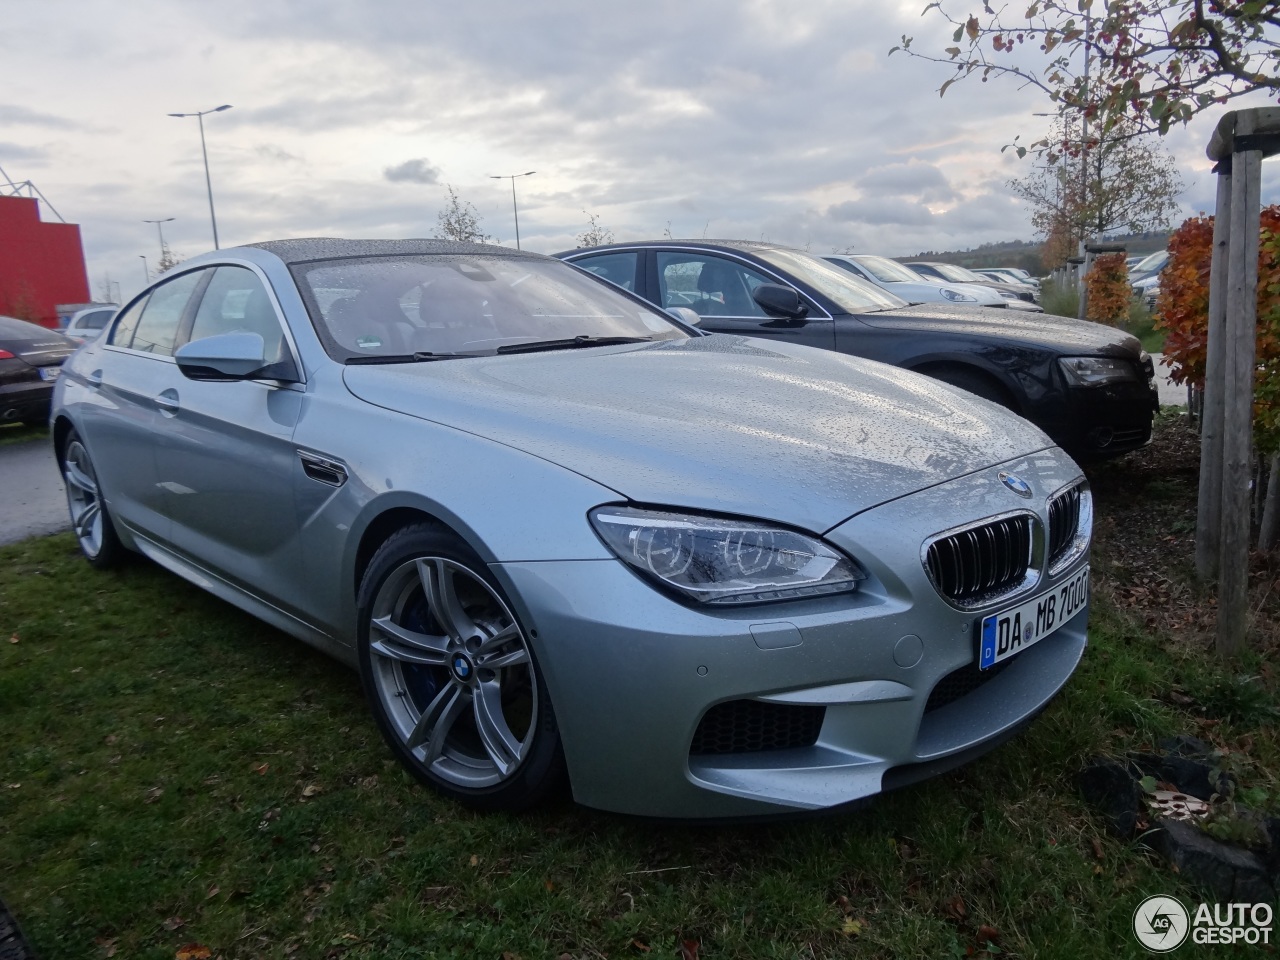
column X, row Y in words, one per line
column 30, row 361
column 1090, row 387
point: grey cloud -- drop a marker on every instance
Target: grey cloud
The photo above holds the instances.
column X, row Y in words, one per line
column 911, row 179
column 881, row 212
column 18, row 151
column 412, row 171
column 14, row 115
column 269, row 151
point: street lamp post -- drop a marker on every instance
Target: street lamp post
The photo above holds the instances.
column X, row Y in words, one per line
column 199, row 115
column 160, row 231
column 514, row 211
column 146, row 273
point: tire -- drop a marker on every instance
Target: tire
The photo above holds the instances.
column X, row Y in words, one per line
column 90, row 520
column 450, row 677
column 975, row 382
column 13, row 945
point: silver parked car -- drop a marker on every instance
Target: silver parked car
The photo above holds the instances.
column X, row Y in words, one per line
column 562, row 535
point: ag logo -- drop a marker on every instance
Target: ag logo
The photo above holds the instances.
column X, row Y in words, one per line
column 1161, row 923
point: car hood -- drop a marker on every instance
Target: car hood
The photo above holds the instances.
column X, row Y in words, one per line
column 720, row 423
column 1064, row 336
column 932, row 292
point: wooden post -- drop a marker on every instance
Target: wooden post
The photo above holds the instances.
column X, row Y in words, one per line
column 1237, row 410
column 1209, row 506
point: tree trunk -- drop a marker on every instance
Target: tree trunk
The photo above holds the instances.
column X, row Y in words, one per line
column 1270, row 530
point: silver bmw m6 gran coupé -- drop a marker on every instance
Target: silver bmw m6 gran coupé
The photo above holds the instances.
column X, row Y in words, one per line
column 561, row 535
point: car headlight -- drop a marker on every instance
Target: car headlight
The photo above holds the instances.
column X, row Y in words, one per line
column 957, row 297
column 718, row 561
column 1092, row 371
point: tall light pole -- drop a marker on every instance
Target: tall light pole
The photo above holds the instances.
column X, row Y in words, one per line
column 160, row 231
column 146, row 273
column 199, row 115
column 514, row 212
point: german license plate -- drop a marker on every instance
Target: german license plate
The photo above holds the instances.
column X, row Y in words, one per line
column 50, row 373
column 1012, row 631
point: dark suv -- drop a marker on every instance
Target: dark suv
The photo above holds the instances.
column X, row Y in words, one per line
column 1090, row 387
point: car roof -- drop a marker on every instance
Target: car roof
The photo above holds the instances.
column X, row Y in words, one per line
column 334, row 248
column 744, row 246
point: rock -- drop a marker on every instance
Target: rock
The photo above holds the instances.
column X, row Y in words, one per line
column 1112, row 788
column 1194, row 777
column 1184, row 745
column 1231, row 874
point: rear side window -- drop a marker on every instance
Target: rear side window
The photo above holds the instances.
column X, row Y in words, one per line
column 236, row 302
column 158, row 327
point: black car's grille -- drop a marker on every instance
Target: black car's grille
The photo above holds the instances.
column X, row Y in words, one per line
column 750, row 726
column 1064, row 520
column 960, row 683
column 981, row 561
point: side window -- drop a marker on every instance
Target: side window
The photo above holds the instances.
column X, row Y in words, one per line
column 236, row 302
column 122, row 332
column 158, row 328
column 619, row 268
column 95, row 321
column 709, row 285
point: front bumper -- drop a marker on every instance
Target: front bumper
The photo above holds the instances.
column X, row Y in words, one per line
column 632, row 673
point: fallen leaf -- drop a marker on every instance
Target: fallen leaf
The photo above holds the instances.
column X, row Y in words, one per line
column 108, row 946
column 987, row 934
column 475, row 861
column 261, row 768
column 310, row 790
column 77, row 670
column 174, row 923
column 14, row 638
column 689, row 949
column 640, row 946
column 212, row 892
column 110, row 738
column 955, row 908
column 549, row 885
column 154, row 794
column 193, row 951
column 1097, row 848
column 852, row 927
column 12, row 786
column 508, row 955
column 843, row 903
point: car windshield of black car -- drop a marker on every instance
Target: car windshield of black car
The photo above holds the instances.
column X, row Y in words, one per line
column 849, row 293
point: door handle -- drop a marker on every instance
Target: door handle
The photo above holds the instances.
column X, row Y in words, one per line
column 94, row 379
column 168, row 402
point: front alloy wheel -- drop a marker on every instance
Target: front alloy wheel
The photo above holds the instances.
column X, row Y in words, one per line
column 450, row 675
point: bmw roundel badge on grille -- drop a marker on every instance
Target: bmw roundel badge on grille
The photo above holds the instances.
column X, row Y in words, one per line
column 1016, row 484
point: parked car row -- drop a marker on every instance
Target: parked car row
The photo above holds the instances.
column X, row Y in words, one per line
column 695, row 568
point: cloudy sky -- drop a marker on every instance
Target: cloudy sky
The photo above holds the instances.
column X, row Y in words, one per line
column 723, row 118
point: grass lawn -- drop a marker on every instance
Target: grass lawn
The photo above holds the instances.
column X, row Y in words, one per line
column 173, row 772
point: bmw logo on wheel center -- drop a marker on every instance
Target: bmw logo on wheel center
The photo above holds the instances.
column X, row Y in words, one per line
column 1016, row 484
column 461, row 667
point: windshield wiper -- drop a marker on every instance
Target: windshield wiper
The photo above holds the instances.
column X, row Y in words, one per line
column 422, row 356
column 568, row 344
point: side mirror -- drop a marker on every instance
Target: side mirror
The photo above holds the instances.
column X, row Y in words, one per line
column 781, row 302
column 685, row 315
column 226, row 356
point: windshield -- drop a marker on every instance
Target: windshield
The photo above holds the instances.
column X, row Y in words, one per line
column 1150, row 263
column 848, row 292
column 888, row 271
column 463, row 304
column 958, row 274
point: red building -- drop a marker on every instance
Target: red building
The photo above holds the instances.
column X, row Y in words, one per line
column 41, row 264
